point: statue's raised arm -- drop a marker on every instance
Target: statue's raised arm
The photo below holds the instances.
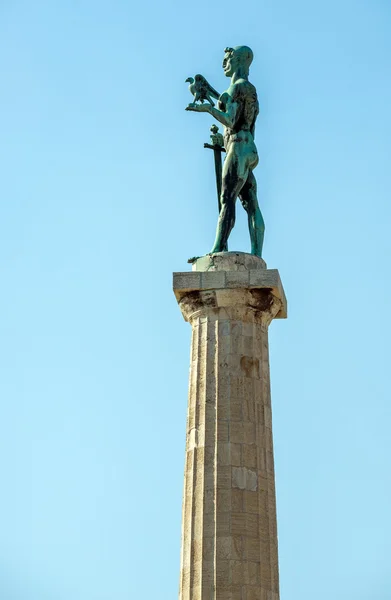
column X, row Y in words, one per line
column 237, row 109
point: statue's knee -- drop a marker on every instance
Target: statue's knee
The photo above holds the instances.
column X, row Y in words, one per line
column 244, row 202
column 226, row 202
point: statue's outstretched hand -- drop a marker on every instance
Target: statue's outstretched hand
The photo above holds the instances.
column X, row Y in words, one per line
column 199, row 107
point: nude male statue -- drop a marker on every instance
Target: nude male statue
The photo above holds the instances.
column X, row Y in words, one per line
column 237, row 110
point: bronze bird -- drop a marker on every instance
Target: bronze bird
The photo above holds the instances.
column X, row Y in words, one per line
column 201, row 89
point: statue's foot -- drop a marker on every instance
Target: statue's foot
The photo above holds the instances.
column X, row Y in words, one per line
column 216, row 250
column 193, row 259
column 256, row 252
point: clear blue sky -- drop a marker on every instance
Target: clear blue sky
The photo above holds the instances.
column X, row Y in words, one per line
column 105, row 190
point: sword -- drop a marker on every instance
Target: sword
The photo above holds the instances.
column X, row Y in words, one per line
column 217, row 146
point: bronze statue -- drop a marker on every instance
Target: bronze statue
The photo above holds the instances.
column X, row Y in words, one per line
column 237, row 109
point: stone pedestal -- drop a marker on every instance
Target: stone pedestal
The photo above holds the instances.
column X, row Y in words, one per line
column 229, row 530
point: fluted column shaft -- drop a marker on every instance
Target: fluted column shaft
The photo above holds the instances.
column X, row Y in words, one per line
column 229, row 529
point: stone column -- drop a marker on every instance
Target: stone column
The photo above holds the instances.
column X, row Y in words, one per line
column 229, row 529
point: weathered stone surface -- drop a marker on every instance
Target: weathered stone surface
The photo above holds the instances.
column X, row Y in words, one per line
column 228, row 261
column 245, row 274
column 229, row 531
column 244, row 479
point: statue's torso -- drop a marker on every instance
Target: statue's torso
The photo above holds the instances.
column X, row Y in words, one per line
column 244, row 94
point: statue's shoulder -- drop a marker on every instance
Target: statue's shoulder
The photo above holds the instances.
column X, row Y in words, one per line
column 243, row 89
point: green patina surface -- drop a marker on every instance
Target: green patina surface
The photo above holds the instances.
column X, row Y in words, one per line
column 237, row 110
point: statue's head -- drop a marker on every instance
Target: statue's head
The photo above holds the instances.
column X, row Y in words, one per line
column 237, row 59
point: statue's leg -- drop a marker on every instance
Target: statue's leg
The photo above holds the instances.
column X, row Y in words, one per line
column 233, row 179
column 256, row 225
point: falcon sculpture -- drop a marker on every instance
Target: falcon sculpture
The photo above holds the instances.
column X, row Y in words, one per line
column 201, row 89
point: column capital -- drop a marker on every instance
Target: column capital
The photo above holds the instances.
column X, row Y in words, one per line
column 231, row 285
